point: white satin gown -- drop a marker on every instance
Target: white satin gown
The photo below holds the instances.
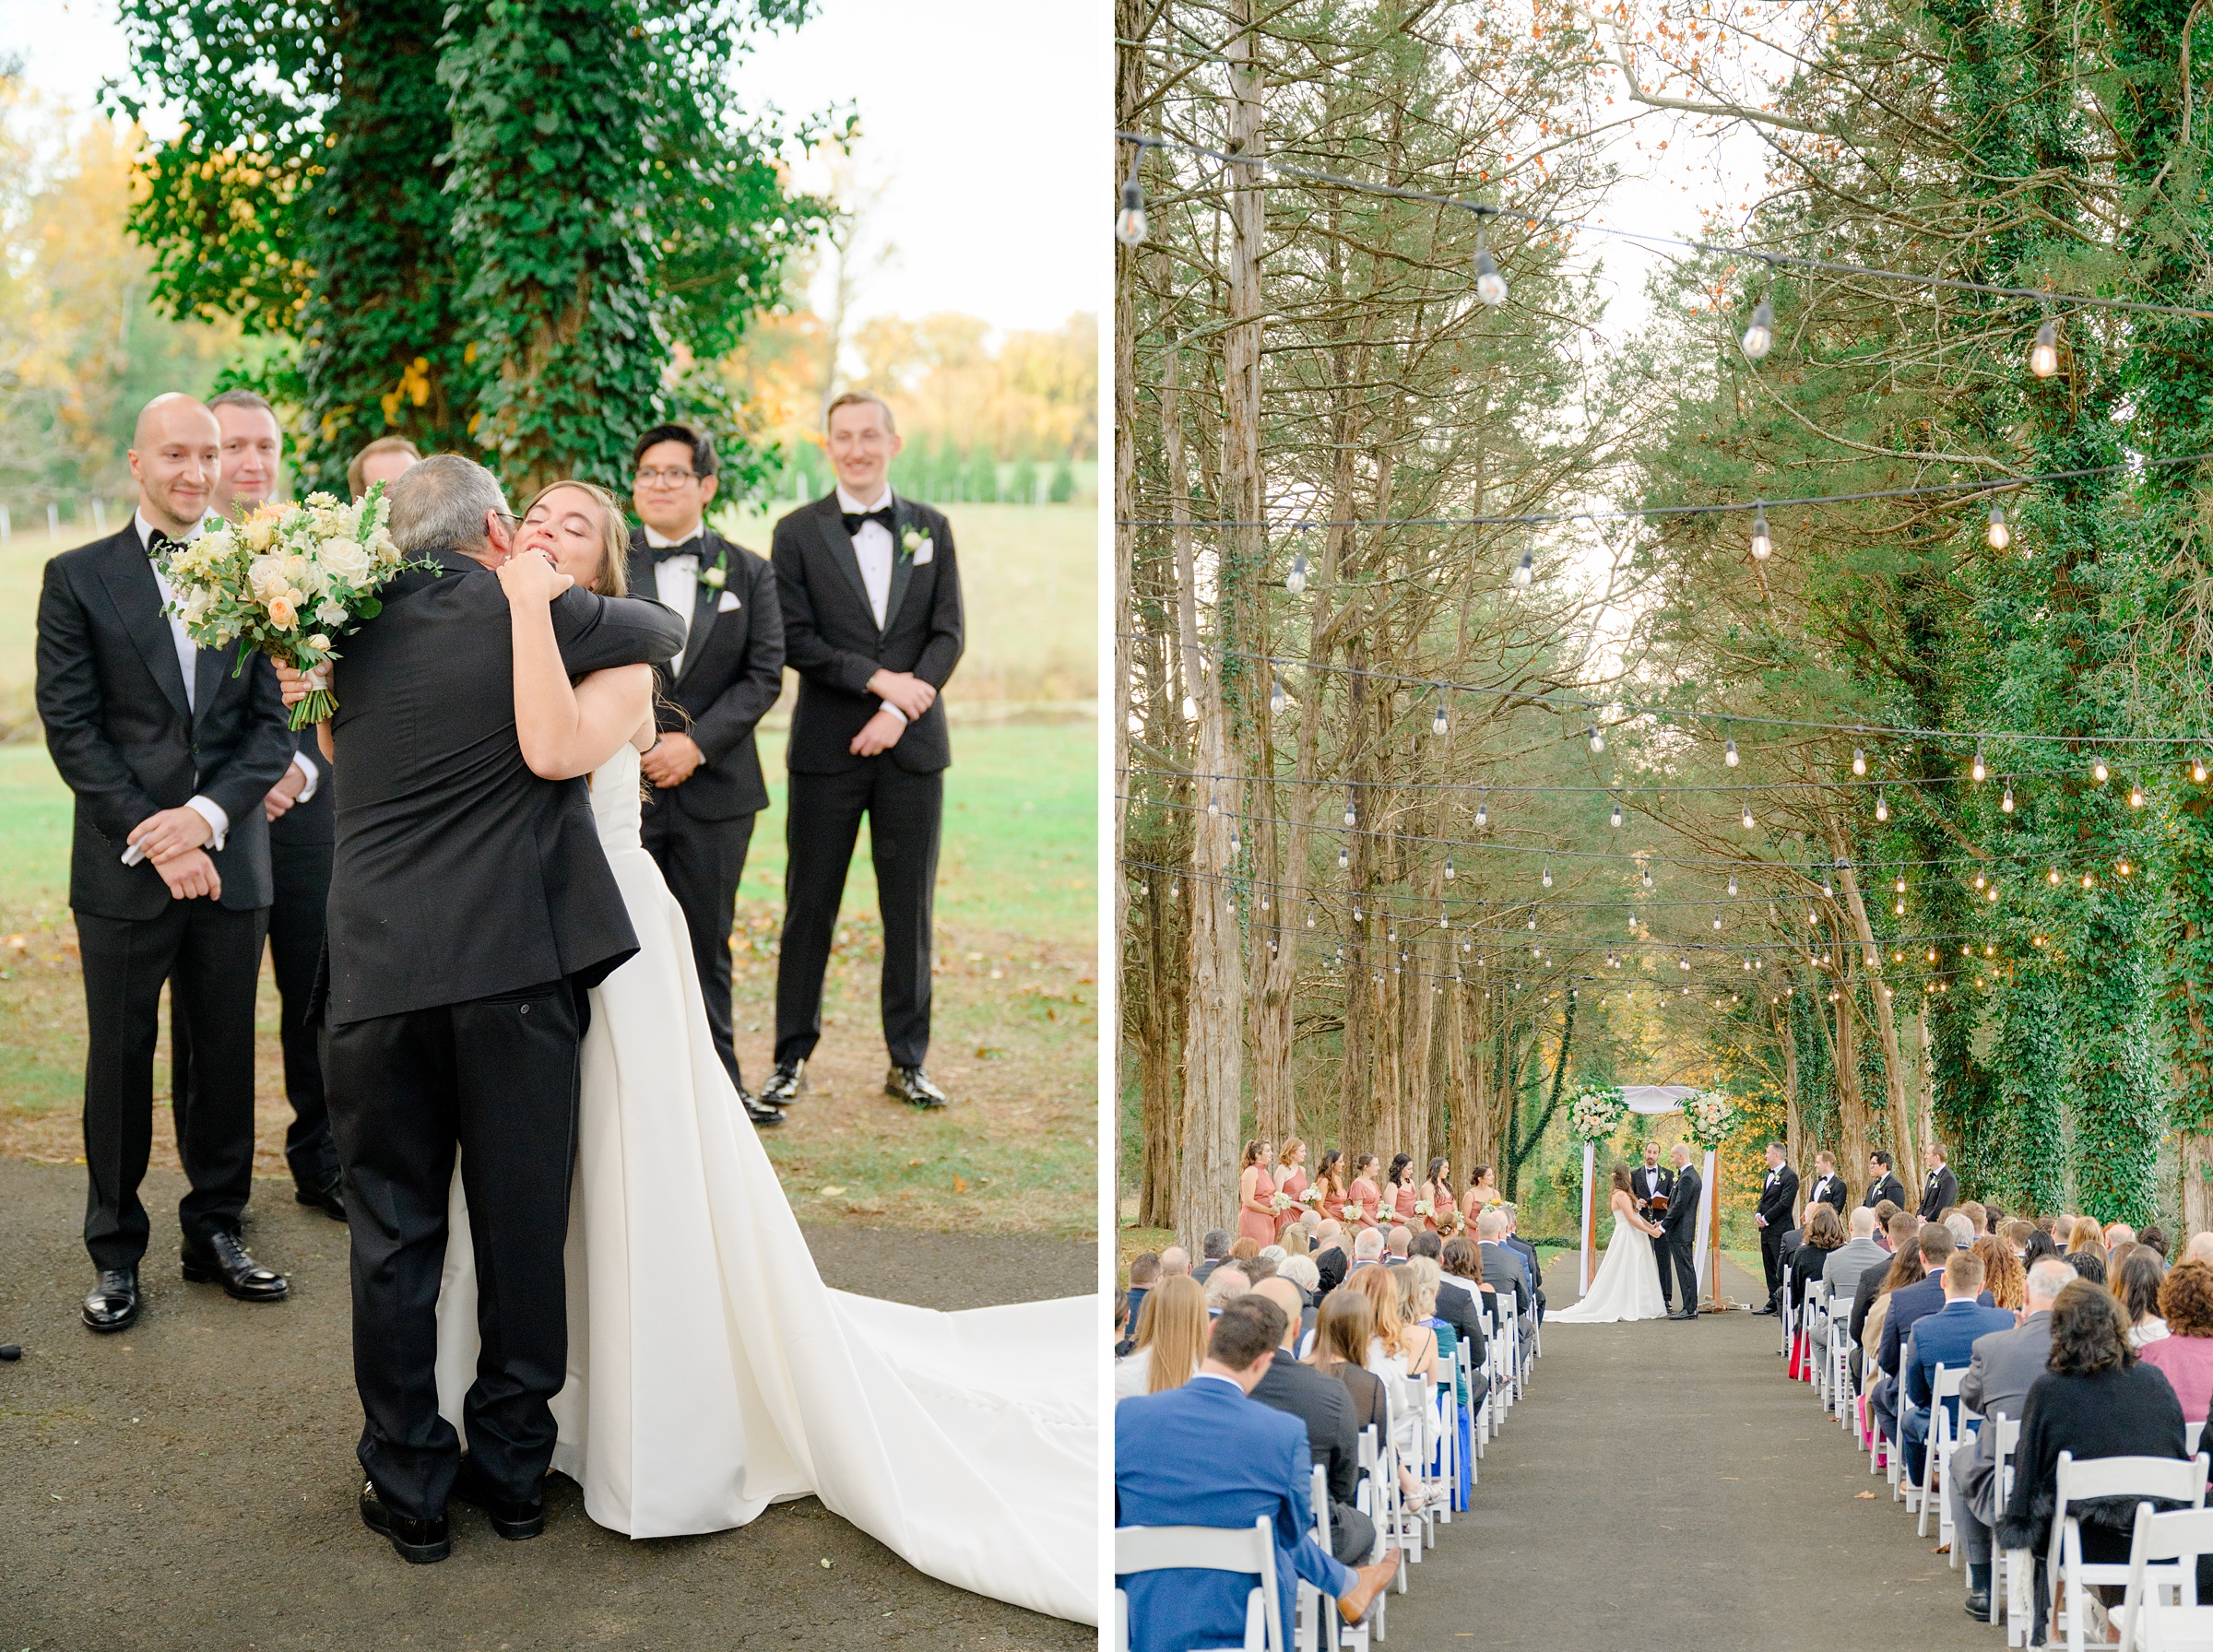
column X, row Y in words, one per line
column 967, row 1441
column 1627, row 1285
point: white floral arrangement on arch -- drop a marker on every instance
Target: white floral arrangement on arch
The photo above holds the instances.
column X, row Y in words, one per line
column 1596, row 1111
column 1712, row 1116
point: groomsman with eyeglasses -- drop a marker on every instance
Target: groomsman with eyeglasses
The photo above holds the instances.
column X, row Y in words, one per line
column 705, row 772
column 873, row 625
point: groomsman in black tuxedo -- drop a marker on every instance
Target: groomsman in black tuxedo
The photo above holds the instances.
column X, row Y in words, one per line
column 1881, row 1183
column 1941, row 1191
column 301, row 825
column 171, row 757
column 1829, row 1187
column 704, row 772
column 873, row 625
column 1777, row 1202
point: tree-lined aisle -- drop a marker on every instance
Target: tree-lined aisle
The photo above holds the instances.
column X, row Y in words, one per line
column 1663, row 1486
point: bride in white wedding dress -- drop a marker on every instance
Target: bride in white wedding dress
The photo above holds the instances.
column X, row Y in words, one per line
column 1627, row 1286
column 711, row 1371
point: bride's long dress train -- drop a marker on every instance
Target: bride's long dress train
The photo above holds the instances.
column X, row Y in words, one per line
column 712, row 1373
column 1627, row 1286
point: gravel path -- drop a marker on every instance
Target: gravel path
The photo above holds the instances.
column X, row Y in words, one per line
column 190, row 1482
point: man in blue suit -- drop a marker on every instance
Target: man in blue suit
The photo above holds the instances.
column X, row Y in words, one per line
column 1207, row 1454
column 1909, row 1304
column 1945, row 1338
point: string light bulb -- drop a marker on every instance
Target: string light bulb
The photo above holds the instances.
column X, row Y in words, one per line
column 1598, row 741
column 1749, row 820
column 1648, row 876
column 1276, row 696
column 1490, row 286
column 1449, row 873
column 1882, row 806
column 1979, row 770
column 1344, row 857
column 1548, row 874
column 1733, row 883
column 1717, row 918
column 2043, row 355
column 1525, row 571
column 1214, row 805
column 1352, row 815
column 1763, row 542
column 2100, row 773
column 1436, row 723
column 2198, row 770
column 1295, row 582
column 2005, row 802
column 1998, row 534
column 1190, row 709
column 1859, row 761
column 1729, row 751
column 1482, row 811
column 2136, row 795
column 1759, row 337
column 1129, row 223
column 1618, row 814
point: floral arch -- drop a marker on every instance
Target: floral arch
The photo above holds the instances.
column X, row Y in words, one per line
column 1598, row 1110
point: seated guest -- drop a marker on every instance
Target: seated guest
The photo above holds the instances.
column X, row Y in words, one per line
column 1329, row 1256
column 1215, row 1247
column 1368, row 1248
column 1961, row 1229
column 1998, row 1374
column 1978, row 1219
column 2088, row 1263
column 1341, row 1331
column 1417, row 1283
column 1257, row 1269
column 1121, row 1324
column 2155, row 1237
column 2115, row 1256
column 1396, row 1351
column 1171, row 1338
column 1904, row 1231
column 1945, row 1338
column 2117, row 1235
column 1145, row 1273
column 1528, row 1253
column 1885, row 1212
column 1400, row 1237
column 1205, row 1453
column 1227, row 1282
column 2017, row 1235
column 2095, row 1399
column 2040, row 1247
column 1847, row 1264
column 1326, row 1408
column 2086, row 1249
column 1244, row 1249
column 2136, row 1286
column 2200, row 1248
column 1911, row 1295
column 1301, row 1272
column 2003, row 1275
column 1503, row 1267
column 1823, row 1234
column 1272, row 1253
column 1460, row 1303
column 1175, row 1260
column 2185, row 1356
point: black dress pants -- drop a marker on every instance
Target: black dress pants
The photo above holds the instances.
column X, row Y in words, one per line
column 211, row 958
column 825, row 811
column 1679, row 1250
column 497, row 1078
column 702, row 862
column 1770, row 1262
column 301, row 876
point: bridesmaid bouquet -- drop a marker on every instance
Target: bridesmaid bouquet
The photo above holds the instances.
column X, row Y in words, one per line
column 1424, row 1208
column 1351, row 1209
column 1311, row 1196
column 1281, row 1201
column 286, row 580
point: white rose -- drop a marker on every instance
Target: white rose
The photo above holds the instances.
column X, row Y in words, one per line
column 265, row 573
column 330, row 613
column 345, row 559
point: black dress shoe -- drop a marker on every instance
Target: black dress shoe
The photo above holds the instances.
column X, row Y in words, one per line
column 1770, row 1308
column 912, row 1085
column 114, row 1304
column 784, row 1085
column 763, row 1117
column 512, row 1520
column 420, row 1542
column 225, row 1262
column 330, row 1200
column 1687, row 1314
column 1978, row 1606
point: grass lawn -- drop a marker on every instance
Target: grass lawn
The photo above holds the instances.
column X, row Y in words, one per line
column 1016, row 1020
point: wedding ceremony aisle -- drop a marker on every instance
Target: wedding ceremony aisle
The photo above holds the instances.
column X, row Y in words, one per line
column 201, row 1465
column 1663, row 1486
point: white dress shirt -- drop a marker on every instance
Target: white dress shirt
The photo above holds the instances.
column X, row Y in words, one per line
column 873, row 548
column 675, row 580
column 218, row 818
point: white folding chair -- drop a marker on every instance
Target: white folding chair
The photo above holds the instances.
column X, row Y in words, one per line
column 1249, row 1549
column 1318, row 1619
column 2149, row 1621
column 1956, row 1433
column 1840, row 1395
column 2167, row 1477
column 1386, row 1506
column 1813, row 1321
column 1943, row 1386
column 2193, row 1432
column 1786, row 1315
column 2005, row 1568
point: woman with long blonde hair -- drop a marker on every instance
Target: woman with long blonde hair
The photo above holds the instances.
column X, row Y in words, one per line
column 1171, row 1338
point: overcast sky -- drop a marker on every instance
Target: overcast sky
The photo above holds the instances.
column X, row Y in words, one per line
column 982, row 119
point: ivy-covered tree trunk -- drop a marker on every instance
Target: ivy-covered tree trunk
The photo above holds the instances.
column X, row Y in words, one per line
column 2029, row 1060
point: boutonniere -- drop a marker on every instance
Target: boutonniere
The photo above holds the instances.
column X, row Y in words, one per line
column 917, row 547
column 714, row 577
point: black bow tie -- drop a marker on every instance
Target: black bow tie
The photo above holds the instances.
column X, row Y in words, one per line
column 157, row 542
column 854, row 518
column 661, row 553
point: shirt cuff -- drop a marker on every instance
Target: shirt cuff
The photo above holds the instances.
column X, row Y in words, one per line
column 219, row 822
column 306, row 766
column 887, row 705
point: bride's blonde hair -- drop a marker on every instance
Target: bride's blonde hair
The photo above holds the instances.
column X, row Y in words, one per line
column 613, row 579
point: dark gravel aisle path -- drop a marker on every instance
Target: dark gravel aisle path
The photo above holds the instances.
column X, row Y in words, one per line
column 1662, row 1486
column 189, row 1483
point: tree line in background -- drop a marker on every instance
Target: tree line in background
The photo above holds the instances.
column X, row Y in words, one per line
column 2035, row 993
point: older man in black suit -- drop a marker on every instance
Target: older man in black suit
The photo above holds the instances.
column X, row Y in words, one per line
column 471, row 906
column 705, row 771
column 170, row 754
column 873, row 625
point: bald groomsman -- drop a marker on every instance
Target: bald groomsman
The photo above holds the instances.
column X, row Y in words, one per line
column 170, row 755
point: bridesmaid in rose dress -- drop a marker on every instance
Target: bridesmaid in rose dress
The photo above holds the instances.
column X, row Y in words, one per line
column 1436, row 1188
column 1483, row 1190
column 1364, row 1192
column 1291, row 1179
column 1330, row 1178
column 1256, row 1196
column 1401, row 1192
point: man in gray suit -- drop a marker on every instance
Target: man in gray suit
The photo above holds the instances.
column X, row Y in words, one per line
column 1997, row 1379
column 1850, row 1261
column 1503, row 1268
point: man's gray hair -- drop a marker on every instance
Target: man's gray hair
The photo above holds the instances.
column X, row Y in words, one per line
column 2049, row 1277
column 441, row 503
column 1863, row 1222
column 1214, row 1243
column 1491, row 1223
column 1224, row 1284
column 1368, row 1245
column 1300, row 1271
column 1962, row 1229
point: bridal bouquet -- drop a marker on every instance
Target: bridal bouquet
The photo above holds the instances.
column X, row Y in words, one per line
column 1713, row 1115
column 1596, row 1112
column 286, row 580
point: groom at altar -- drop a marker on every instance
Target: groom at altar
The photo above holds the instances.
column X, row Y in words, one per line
column 1678, row 1245
column 705, row 772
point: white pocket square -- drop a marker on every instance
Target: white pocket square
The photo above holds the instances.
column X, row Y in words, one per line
column 729, row 603
column 923, row 552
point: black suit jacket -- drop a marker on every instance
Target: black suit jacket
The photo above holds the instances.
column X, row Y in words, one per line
column 111, row 696
column 1645, row 1183
column 1325, row 1406
column 1887, row 1187
column 1457, row 1307
column 1830, row 1190
column 1939, row 1193
column 1678, row 1225
column 831, row 637
column 733, row 670
column 1775, row 1199
column 459, row 874
column 316, row 821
